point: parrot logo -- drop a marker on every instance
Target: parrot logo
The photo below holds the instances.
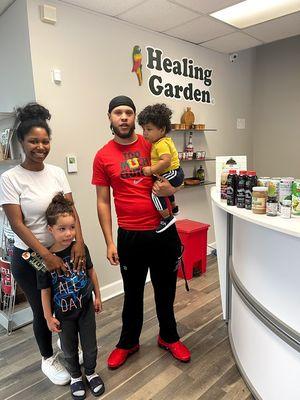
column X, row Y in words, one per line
column 133, row 163
column 137, row 63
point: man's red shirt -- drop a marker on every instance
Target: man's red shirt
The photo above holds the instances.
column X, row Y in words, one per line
column 120, row 166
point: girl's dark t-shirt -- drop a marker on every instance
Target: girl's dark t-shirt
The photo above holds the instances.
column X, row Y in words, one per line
column 69, row 293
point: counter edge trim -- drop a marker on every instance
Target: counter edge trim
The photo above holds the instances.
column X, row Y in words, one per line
column 287, row 334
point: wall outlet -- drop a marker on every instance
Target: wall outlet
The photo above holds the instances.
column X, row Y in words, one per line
column 56, row 76
column 241, row 123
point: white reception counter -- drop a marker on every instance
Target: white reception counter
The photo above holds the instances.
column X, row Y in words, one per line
column 259, row 269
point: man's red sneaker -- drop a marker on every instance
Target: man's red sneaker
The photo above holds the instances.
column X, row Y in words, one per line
column 177, row 349
column 118, row 356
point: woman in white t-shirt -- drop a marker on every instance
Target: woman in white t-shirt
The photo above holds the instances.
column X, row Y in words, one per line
column 25, row 193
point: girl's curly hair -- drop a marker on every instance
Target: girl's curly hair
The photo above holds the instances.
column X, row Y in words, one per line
column 58, row 206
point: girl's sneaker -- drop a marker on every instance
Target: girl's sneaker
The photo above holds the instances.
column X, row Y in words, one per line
column 165, row 223
column 55, row 371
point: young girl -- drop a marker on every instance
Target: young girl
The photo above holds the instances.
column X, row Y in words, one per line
column 156, row 123
column 70, row 295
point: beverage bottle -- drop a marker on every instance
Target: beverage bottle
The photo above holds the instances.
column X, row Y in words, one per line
column 240, row 189
column 231, row 187
column 189, row 147
column 251, row 181
column 200, row 174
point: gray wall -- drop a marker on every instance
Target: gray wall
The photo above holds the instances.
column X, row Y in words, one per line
column 16, row 80
column 94, row 55
column 276, row 112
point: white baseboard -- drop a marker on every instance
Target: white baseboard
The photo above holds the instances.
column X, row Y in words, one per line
column 211, row 247
column 112, row 290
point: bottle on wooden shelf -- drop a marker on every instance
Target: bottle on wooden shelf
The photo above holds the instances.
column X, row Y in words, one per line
column 189, row 148
column 200, row 174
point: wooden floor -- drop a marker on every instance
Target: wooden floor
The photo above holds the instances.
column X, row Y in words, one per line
column 152, row 373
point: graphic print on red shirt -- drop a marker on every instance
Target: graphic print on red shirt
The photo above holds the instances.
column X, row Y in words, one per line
column 120, row 166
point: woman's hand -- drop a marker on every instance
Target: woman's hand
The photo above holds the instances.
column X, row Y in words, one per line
column 98, row 305
column 54, row 263
column 53, row 325
column 78, row 256
column 112, row 254
column 162, row 187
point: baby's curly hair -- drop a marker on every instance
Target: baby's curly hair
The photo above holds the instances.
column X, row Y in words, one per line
column 158, row 114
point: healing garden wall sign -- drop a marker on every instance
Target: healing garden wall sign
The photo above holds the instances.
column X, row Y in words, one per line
column 178, row 79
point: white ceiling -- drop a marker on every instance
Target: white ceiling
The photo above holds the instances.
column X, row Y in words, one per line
column 189, row 20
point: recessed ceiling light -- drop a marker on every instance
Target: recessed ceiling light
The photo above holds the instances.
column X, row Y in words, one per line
column 252, row 12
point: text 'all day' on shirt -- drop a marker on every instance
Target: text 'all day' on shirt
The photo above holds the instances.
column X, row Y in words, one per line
column 33, row 191
column 120, row 166
column 165, row 146
column 69, row 292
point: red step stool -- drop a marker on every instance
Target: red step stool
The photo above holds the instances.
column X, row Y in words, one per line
column 193, row 236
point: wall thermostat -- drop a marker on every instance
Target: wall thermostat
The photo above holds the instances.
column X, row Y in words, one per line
column 71, row 163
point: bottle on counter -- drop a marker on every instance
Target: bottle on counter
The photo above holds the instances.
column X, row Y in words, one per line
column 272, row 206
column 231, row 187
column 296, row 197
column 200, row 174
column 273, row 188
column 285, row 190
column 259, row 199
column 286, row 209
column 240, row 189
column 251, row 182
column 263, row 181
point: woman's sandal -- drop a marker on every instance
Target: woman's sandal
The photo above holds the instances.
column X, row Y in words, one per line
column 94, row 383
column 75, row 387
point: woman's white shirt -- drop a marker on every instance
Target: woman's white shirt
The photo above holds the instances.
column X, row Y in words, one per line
column 33, row 191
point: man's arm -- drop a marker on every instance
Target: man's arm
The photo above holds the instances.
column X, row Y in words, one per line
column 104, row 216
column 162, row 187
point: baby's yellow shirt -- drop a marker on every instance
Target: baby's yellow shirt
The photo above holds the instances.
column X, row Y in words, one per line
column 165, row 145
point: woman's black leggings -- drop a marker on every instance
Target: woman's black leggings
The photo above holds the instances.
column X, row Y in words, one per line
column 25, row 276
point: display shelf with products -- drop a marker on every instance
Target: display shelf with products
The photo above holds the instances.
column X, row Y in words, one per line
column 198, row 159
column 6, row 115
column 10, row 149
column 194, row 130
column 205, row 183
column 15, row 311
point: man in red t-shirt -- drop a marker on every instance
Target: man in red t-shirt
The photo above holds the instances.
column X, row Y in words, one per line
column 119, row 165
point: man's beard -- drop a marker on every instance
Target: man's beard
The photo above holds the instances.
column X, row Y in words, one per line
column 121, row 135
